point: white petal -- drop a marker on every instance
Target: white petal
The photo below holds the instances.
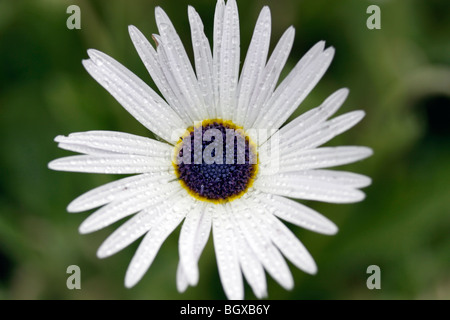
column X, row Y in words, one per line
column 135, row 227
column 177, row 92
column 309, row 185
column 260, row 243
column 186, row 244
column 147, row 54
column 254, row 64
column 182, row 282
column 229, row 61
column 343, row 178
column 117, row 190
column 226, row 254
column 288, row 243
column 296, row 213
column 116, row 164
column 185, row 81
column 294, row 89
column 180, row 65
column 217, row 49
column 151, row 243
column 251, row 266
column 204, row 229
column 150, row 58
column 269, row 77
column 133, row 94
column 84, row 149
column 324, row 132
column 320, row 158
column 309, row 58
column 203, row 61
column 201, row 238
column 122, row 208
column 117, row 142
column 303, row 124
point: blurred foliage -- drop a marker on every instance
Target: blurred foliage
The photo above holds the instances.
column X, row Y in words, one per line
column 400, row 75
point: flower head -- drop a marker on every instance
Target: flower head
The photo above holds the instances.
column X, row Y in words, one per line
column 227, row 163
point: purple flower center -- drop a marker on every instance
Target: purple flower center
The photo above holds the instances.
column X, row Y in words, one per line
column 216, row 162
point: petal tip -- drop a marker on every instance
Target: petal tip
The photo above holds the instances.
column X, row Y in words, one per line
column 86, row 63
column 102, row 253
column 330, row 51
column 334, row 230
column 84, row 229
column 59, row 138
column 75, row 206
column 132, row 30
column 130, row 281
column 265, row 10
column 91, row 52
column 344, row 92
column 53, row 165
column 313, row 270
column 360, row 114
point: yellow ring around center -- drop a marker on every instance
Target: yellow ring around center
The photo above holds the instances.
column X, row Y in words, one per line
column 228, row 124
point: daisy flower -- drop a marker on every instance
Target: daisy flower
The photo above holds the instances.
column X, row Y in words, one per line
column 224, row 163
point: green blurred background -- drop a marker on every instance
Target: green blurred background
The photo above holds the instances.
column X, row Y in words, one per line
column 400, row 75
